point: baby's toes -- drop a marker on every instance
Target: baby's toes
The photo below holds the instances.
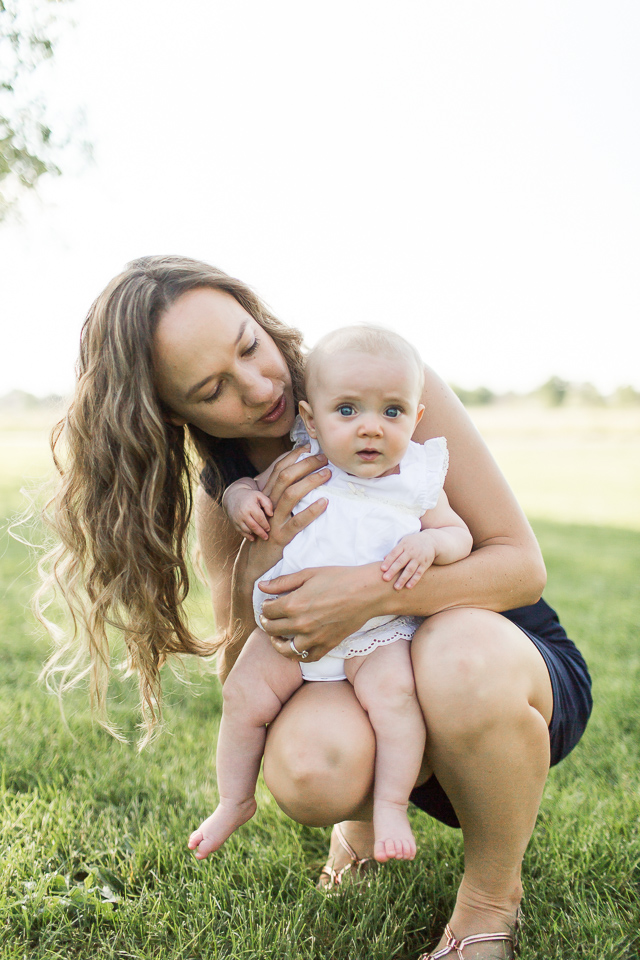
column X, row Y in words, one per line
column 205, row 847
column 195, row 839
column 408, row 849
column 380, row 851
column 402, row 850
column 393, row 849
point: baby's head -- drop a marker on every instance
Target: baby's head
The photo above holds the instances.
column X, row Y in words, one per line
column 363, row 387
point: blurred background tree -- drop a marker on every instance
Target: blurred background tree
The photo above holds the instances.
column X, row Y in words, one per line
column 29, row 148
column 478, row 397
column 553, row 392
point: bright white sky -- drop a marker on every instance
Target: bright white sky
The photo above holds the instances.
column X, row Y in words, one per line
column 466, row 172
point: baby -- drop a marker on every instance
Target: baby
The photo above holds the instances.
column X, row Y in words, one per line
column 386, row 503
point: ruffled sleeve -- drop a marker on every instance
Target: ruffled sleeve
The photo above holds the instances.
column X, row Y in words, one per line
column 435, row 457
column 298, row 434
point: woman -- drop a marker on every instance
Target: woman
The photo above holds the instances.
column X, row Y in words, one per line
column 174, row 347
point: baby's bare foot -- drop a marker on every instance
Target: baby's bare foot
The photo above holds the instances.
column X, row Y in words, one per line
column 394, row 837
column 212, row 832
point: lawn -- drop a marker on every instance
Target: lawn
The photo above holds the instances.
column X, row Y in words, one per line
column 94, row 862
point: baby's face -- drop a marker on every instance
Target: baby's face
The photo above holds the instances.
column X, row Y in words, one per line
column 363, row 409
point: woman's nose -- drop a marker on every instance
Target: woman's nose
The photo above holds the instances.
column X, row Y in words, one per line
column 256, row 388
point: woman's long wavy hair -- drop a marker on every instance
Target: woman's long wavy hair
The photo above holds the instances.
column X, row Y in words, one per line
column 123, row 504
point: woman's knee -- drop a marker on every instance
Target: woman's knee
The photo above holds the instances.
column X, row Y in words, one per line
column 474, row 669
column 319, row 768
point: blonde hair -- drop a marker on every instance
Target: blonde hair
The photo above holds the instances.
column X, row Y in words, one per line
column 367, row 338
column 123, row 504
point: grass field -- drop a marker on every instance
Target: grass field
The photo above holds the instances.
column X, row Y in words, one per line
column 94, row 862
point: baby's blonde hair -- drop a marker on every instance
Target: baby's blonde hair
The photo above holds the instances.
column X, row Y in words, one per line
column 367, row 338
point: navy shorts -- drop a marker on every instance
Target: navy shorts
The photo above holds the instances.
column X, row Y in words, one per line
column 571, row 685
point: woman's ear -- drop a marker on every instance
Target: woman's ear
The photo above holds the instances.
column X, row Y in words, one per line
column 173, row 420
column 307, row 415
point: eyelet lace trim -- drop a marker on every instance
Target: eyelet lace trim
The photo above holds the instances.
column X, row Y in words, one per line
column 404, row 629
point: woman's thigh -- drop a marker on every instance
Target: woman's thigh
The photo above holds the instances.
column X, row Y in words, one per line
column 476, row 673
column 320, row 754
column 471, row 664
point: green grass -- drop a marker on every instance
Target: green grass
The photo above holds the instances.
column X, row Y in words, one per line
column 575, row 465
column 94, row 863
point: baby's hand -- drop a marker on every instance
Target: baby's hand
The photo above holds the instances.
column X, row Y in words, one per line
column 412, row 555
column 248, row 511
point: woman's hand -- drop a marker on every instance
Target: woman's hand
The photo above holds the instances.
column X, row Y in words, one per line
column 288, row 483
column 319, row 606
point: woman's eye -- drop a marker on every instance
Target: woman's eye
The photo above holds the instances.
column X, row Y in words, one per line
column 393, row 412
column 345, row 410
column 213, row 396
column 252, row 348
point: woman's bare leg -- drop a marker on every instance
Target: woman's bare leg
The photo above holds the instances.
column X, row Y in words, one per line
column 319, row 756
column 259, row 683
column 486, row 697
column 319, row 761
column 383, row 682
column 488, row 743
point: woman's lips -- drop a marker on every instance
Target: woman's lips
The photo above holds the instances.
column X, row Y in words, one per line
column 275, row 412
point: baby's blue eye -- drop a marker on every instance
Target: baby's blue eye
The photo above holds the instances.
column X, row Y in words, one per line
column 345, row 410
column 392, row 412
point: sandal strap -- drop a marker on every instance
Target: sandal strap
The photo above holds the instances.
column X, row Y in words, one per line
column 458, row 945
column 346, row 845
column 337, row 876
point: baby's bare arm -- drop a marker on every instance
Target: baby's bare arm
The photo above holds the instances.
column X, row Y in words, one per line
column 444, row 538
column 449, row 532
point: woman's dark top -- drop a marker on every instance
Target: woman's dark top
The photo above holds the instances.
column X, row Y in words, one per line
column 232, row 462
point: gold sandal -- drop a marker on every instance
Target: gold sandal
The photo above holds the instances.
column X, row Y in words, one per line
column 329, row 878
column 458, row 945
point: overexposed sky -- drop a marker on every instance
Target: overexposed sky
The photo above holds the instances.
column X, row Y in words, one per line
column 466, row 172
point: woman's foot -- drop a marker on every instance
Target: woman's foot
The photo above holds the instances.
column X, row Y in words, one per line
column 212, row 832
column 476, row 913
column 393, row 835
column 350, row 853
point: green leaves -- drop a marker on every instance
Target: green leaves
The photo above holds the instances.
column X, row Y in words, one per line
column 28, row 32
column 80, row 899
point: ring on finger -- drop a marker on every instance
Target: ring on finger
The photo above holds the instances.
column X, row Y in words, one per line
column 303, row 654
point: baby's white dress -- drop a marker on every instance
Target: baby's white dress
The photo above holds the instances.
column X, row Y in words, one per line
column 363, row 521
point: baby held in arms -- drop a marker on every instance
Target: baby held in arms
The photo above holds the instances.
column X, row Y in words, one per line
column 386, row 503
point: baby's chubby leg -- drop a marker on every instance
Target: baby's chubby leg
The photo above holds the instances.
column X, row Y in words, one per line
column 260, row 682
column 384, row 685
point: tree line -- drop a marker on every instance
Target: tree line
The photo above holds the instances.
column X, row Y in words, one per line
column 554, row 392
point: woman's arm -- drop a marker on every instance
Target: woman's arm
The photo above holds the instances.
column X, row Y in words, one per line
column 478, row 492
column 233, row 564
column 505, row 569
column 218, row 544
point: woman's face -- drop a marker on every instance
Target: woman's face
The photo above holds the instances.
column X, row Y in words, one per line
column 216, row 368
